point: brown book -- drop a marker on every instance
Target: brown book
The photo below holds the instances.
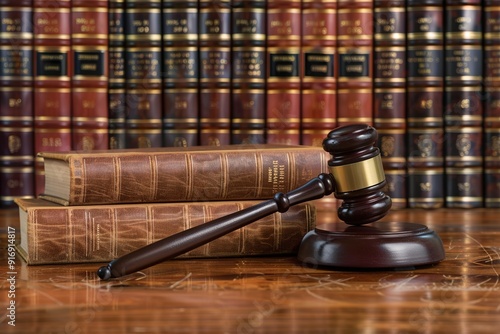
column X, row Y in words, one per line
column 215, row 71
column 51, row 233
column 355, row 62
column 52, row 79
column 318, row 52
column 283, row 71
column 89, row 85
column 16, row 102
column 232, row 172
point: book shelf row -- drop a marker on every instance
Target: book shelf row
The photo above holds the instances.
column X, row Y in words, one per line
column 121, row 74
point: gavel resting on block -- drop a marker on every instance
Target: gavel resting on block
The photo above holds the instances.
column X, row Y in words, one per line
column 357, row 178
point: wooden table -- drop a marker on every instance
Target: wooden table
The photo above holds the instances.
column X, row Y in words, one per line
column 272, row 294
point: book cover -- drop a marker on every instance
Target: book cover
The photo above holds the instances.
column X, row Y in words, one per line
column 16, row 102
column 51, row 233
column 232, row 172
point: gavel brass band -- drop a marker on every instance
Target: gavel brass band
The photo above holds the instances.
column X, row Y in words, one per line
column 358, row 175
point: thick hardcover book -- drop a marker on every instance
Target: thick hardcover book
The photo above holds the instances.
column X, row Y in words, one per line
column 355, row 62
column 16, row 101
column 491, row 58
column 319, row 83
column 232, row 172
column 248, row 60
column 389, row 99
column 51, row 233
column 283, row 71
column 463, row 112
column 52, row 79
column 143, row 71
column 116, row 73
column 425, row 85
column 181, row 73
column 89, row 85
column 215, row 72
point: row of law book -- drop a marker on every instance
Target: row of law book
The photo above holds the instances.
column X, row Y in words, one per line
column 101, row 205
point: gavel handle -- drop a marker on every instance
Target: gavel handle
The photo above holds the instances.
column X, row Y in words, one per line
column 194, row 237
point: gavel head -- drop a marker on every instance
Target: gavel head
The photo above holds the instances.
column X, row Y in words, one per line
column 359, row 177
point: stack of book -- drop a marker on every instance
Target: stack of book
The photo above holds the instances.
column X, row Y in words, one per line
column 100, row 205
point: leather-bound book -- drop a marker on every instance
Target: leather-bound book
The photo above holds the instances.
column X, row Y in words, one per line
column 116, row 74
column 215, row 72
column 231, row 172
column 143, row 71
column 355, row 62
column 463, row 112
column 89, row 85
column 52, row 79
column 180, row 73
column 424, row 117
column 389, row 96
column 51, row 233
column 491, row 58
column 16, row 101
column 248, row 61
column 319, row 84
column 283, row 71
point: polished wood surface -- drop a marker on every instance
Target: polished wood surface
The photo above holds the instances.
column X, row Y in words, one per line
column 268, row 295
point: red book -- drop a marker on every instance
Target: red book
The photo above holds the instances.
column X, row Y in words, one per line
column 355, row 62
column 283, row 71
column 16, row 101
column 52, row 79
column 248, row 60
column 89, row 85
column 181, row 73
column 143, row 70
column 215, row 72
column 318, row 53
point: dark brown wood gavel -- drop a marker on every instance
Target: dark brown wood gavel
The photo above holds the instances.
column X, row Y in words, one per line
column 356, row 177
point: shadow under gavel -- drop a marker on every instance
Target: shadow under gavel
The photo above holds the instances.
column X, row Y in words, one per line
column 357, row 178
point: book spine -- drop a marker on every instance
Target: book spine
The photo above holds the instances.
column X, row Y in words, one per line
column 52, row 80
column 103, row 233
column 283, row 71
column 319, row 82
column 248, row 59
column 143, row 71
column 215, row 72
column 491, row 58
column 16, row 102
column 181, row 73
column 355, row 62
column 463, row 112
column 425, row 85
column 196, row 176
column 389, row 96
column 89, row 85
column 116, row 72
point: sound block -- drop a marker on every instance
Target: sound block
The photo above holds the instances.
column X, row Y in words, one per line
column 380, row 245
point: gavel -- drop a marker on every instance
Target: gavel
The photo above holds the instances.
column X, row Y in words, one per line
column 357, row 178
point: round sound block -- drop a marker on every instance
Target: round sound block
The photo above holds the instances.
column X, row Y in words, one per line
column 380, row 245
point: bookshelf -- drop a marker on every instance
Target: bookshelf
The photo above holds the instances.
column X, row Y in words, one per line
column 185, row 73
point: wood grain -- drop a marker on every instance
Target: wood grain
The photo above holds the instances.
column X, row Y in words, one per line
column 270, row 294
